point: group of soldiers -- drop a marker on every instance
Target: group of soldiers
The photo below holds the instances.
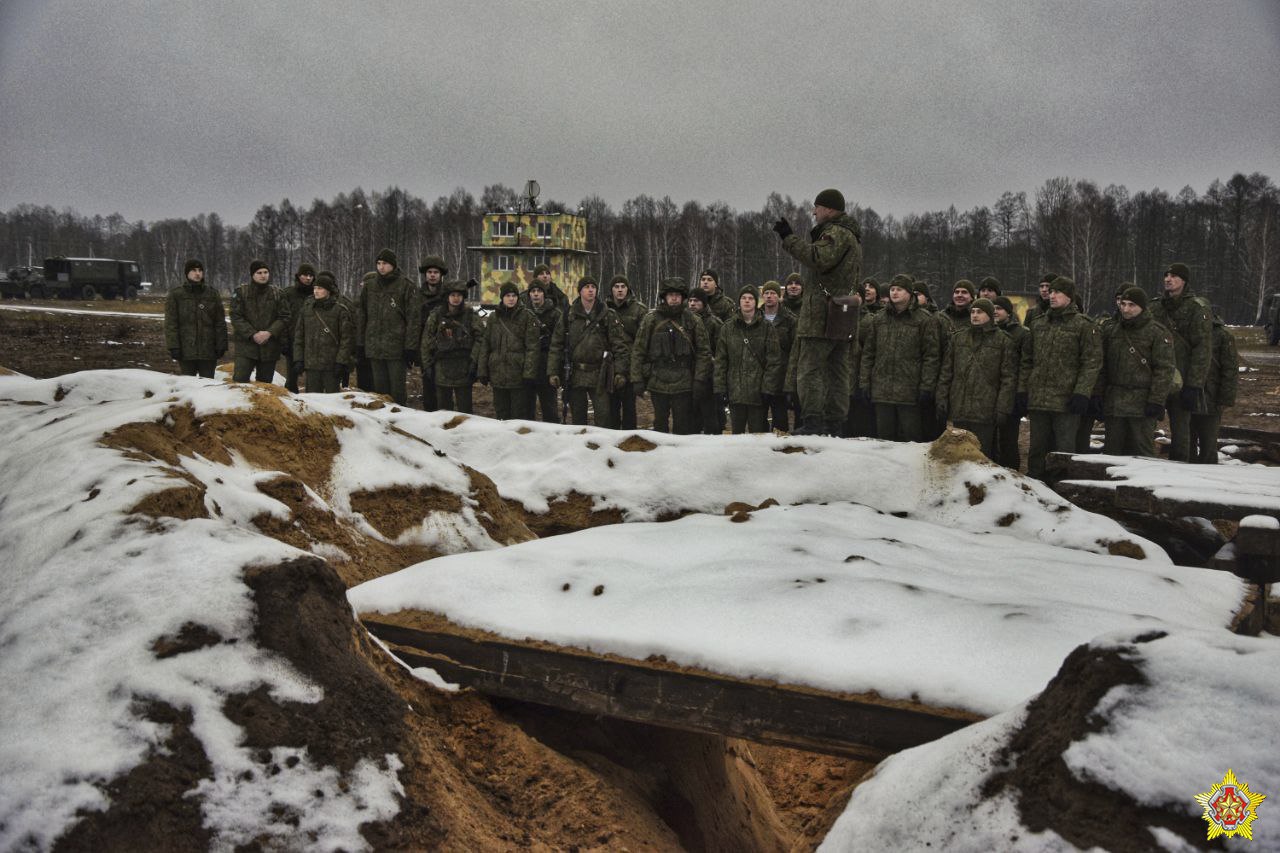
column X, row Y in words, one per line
column 810, row 355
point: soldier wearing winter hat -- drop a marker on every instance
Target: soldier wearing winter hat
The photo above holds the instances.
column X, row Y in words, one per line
column 1137, row 376
column 748, row 365
column 507, row 355
column 296, row 296
column 1189, row 320
column 554, row 295
column 962, row 296
column 388, row 326
column 431, row 296
column 708, row 418
column 589, row 355
column 773, row 311
column 713, row 296
column 630, row 312
column 448, row 348
column 1042, row 303
column 195, row 326
column 546, row 317
column 669, row 356
column 979, row 377
column 259, row 320
column 324, row 337
column 1007, row 452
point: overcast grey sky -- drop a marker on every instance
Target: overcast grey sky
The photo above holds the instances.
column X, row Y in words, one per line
column 173, row 108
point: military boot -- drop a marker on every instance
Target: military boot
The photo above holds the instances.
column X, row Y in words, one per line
column 833, row 427
column 811, row 425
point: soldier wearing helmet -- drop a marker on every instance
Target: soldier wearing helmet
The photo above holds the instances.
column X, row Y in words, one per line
column 670, row 356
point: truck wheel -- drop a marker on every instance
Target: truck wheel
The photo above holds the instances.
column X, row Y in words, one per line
column 130, row 293
column 88, row 294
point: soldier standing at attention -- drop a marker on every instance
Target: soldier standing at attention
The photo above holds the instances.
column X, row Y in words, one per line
column 448, row 348
column 713, row 296
column 1189, row 319
column 430, row 297
column 1137, row 359
column 554, row 295
column 708, row 417
column 1066, row 357
column 303, row 281
column 507, row 355
column 979, row 377
column 1007, row 452
column 784, row 324
column 1042, row 304
column 793, row 293
column 387, row 324
column 1219, row 392
column 748, row 366
column 833, row 256
column 900, row 364
column 630, row 312
column 593, row 343
column 195, row 326
column 546, row 317
column 324, row 338
column 669, row 356
column 957, row 313
column 259, row 318
column 989, row 288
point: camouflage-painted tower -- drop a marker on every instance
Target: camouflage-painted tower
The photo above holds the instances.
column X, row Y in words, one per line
column 514, row 242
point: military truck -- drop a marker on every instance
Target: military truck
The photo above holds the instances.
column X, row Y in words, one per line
column 89, row 278
column 20, row 281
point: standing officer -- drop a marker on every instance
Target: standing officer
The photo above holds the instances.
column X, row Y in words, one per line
column 1137, row 358
column 302, row 290
column 324, row 337
column 259, row 320
column 900, row 364
column 670, row 357
column 630, row 312
column 195, row 326
column 591, row 344
column 828, row 318
column 448, row 348
column 1189, row 319
column 507, row 355
column 430, row 296
column 387, row 324
column 546, row 317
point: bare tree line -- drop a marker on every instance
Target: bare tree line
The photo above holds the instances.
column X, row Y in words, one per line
column 1101, row 237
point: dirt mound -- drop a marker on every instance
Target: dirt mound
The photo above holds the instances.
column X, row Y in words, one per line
column 636, row 444
column 4, row 371
column 1049, row 795
column 810, row 790
column 565, row 514
column 957, row 445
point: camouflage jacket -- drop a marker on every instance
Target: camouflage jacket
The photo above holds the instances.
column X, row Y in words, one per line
column 630, row 312
column 1224, row 369
column 325, row 335
column 956, row 317
column 194, row 322
column 1190, row 319
column 712, row 324
column 295, row 297
column 1038, row 309
column 833, row 256
column 855, row 363
column 259, row 308
column 979, row 375
column 507, row 353
column 670, row 351
column 387, row 316
column 428, row 301
column 900, row 359
column 793, row 304
column 546, row 319
column 1137, row 359
column 721, row 306
column 1066, row 357
column 784, row 324
column 748, row 361
column 595, row 345
column 1021, row 337
column 449, row 345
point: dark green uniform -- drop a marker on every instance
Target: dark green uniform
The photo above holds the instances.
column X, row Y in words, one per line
column 448, row 352
column 543, row 393
column 195, row 328
column 1137, row 357
column 669, row 355
column 784, row 324
column 387, row 327
column 429, row 299
column 899, row 369
column 630, row 312
column 1219, row 392
column 324, row 342
column 295, row 297
column 592, row 346
column 1066, row 357
column 978, row 381
column 833, row 257
column 720, row 305
column 748, row 368
column 1007, row 452
column 507, row 358
column 258, row 308
column 708, row 416
column 1189, row 319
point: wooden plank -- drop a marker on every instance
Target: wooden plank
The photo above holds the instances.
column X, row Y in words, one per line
column 858, row 727
column 1257, row 436
column 1143, row 499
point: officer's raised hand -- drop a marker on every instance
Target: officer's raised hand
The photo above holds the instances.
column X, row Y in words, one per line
column 782, row 228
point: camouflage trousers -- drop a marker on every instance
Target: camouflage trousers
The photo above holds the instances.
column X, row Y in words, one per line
column 322, row 380
column 510, row 403
column 1050, row 432
column 1130, row 436
column 246, row 368
column 823, row 379
column 898, row 422
column 600, row 406
column 198, row 367
column 455, row 399
column 1204, row 437
column 388, row 375
column 1007, row 452
column 622, row 408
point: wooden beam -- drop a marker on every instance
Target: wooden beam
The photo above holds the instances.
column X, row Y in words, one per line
column 862, row 727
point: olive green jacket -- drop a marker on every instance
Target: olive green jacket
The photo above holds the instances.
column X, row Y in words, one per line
column 900, row 360
column 1021, row 337
column 449, row 345
column 630, row 312
column 388, row 318
column 1066, row 357
column 670, row 351
column 833, row 256
column 1190, row 319
column 1137, row 357
column 195, row 323
column 507, row 353
column 295, row 297
column 259, row 308
column 1224, row 369
column 979, row 375
column 595, row 345
column 721, row 305
column 748, row 361
column 545, row 319
column 325, row 335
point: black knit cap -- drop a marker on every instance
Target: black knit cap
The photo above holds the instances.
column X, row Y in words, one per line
column 326, row 280
column 921, row 287
column 256, row 265
column 833, row 199
column 541, row 268
column 1135, row 295
column 534, row 284
column 1048, row 278
column 990, row 283
column 965, row 284
column 619, row 279
column 1064, row 285
column 305, row 269
column 508, row 287
column 585, row 280
column 1003, row 302
column 796, row 277
column 193, row 264
column 1180, row 270
column 388, row 256
column 433, row 262
column 714, row 275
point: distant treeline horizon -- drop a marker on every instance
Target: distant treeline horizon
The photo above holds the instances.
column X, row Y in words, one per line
column 1100, row 237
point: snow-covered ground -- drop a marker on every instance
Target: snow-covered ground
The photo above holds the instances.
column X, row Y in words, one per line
column 1251, row 485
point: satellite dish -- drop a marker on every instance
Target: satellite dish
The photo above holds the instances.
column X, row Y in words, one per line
column 531, row 190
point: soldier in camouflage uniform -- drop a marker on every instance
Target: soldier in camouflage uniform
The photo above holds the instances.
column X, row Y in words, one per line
column 1066, row 357
column 259, row 320
column 387, row 324
column 900, row 363
column 748, row 366
column 303, row 283
column 833, row 256
column 630, row 312
column 546, row 316
column 932, row 426
column 1189, row 319
column 542, row 274
column 708, row 417
column 1042, row 303
column 448, row 348
column 957, row 313
column 430, row 297
column 670, row 357
column 989, row 288
column 195, row 326
column 979, row 377
column 1007, row 452
column 589, row 355
column 324, row 337
column 1219, row 392
column 793, row 293
column 1137, row 373
column 784, row 324
column 713, row 295
column 507, row 355
column 861, row 419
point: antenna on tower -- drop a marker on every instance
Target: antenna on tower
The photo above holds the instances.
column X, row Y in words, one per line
column 531, row 190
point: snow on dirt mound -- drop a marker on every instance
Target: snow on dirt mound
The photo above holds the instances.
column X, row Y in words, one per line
column 648, row 476
column 1110, row 756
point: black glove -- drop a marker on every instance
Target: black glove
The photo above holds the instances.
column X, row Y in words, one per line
column 782, row 228
column 410, row 357
column 472, row 284
column 1190, row 398
column 471, row 375
column 1020, row 403
column 701, row 389
column 299, row 368
column 722, row 400
column 1153, row 410
column 1078, row 404
column 638, row 387
column 175, row 354
column 926, row 398
column 1095, row 409
column 360, row 353
column 342, row 369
